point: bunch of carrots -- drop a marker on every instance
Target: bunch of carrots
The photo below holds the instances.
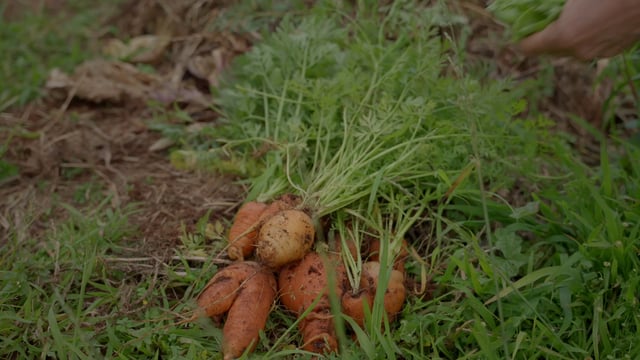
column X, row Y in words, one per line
column 271, row 245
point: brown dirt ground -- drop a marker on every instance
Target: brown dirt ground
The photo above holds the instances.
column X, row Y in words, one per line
column 110, row 147
column 82, row 133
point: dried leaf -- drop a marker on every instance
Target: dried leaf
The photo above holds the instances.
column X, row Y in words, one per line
column 161, row 144
column 201, row 66
column 141, row 49
column 208, row 67
column 182, row 95
column 100, row 81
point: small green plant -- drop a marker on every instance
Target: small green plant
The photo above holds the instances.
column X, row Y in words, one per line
column 7, row 170
column 525, row 17
column 623, row 102
column 88, row 192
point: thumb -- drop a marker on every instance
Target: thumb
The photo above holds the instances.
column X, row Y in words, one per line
column 547, row 41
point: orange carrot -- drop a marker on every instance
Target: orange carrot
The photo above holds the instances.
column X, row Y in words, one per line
column 244, row 230
column 247, row 291
column 243, row 233
column 273, row 208
column 284, row 202
column 220, row 292
column 353, row 301
column 353, row 304
column 248, row 314
column 374, row 253
column 300, row 285
column 318, row 331
column 338, row 243
column 395, row 293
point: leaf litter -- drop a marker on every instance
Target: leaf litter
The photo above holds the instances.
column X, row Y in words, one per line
column 93, row 127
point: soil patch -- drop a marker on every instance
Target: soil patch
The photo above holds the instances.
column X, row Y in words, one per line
column 92, row 151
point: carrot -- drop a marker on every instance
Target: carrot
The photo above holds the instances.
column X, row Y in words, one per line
column 353, row 304
column 246, row 290
column 248, row 314
column 300, row 285
column 285, row 237
column 244, row 230
column 338, row 244
column 275, row 207
column 354, row 301
column 318, row 331
column 284, row 202
column 374, row 253
column 243, row 233
column 395, row 293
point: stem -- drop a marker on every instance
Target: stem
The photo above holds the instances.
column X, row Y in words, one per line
column 632, row 86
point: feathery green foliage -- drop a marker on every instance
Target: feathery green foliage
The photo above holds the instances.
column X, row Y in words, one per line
column 525, row 17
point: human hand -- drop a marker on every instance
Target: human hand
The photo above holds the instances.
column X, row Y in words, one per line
column 588, row 29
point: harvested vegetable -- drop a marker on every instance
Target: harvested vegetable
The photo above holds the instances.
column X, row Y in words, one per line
column 220, row 292
column 398, row 264
column 395, row 293
column 285, row 237
column 243, row 233
column 354, row 302
column 525, row 17
column 352, row 247
column 244, row 230
column 300, row 285
column 247, row 291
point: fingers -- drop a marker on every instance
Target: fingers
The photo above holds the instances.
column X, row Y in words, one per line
column 547, row 41
column 588, row 29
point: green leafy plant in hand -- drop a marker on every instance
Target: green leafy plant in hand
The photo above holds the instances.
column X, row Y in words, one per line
column 525, row 17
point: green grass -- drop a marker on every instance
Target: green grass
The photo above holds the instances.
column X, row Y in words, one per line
column 55, row 291
column 624, row 71
column 70, row 295
column 555, row 277
column 40, row 41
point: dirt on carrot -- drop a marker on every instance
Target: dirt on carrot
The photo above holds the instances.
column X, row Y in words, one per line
column 243, row 233
column 305, row 284
column 286, row 237
column 246, row 290
column 395, row 292
column 356, row 302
